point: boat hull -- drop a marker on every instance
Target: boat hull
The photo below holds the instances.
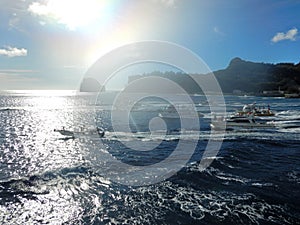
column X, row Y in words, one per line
column 260, row 114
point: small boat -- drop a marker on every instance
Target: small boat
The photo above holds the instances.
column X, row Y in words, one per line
column 99, row 131
column 256, row 111
column 264, row 113
column 65, row 132
column 294, row 95
column 261, row 113
column 241, row 122
column 171, row 113
column 5, row 109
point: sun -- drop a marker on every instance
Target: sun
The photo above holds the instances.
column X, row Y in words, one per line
column 73, row 14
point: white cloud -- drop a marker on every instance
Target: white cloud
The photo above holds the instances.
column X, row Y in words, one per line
column 72, row 14
column 16, row 75
column 13, row 22
column 16, row 71
column 218, row 31
column 13, row 51
column 40, row 9
column 289, row 35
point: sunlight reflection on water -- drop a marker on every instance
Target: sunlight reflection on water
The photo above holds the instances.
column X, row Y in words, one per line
column 27, row 132
column 46, row 179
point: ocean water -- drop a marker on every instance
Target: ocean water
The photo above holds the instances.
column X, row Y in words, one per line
column 47, row 178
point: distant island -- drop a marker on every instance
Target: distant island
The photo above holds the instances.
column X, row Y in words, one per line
column 90, row 85
column 240, row 77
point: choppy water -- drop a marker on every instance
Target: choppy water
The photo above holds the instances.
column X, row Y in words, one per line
column 48, row 179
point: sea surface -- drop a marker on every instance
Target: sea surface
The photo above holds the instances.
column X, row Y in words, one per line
column 47, row 178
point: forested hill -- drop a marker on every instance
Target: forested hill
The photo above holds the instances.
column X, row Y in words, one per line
column 240, row 75
column 257, row 77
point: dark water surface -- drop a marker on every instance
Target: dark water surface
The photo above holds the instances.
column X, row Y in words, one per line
column 46, row 178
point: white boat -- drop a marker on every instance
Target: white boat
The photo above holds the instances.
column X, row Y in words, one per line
column 256, row 111
column 241, row 122
column 171, row 113
column 99, row 131
column 4, row 109
column 65, row 132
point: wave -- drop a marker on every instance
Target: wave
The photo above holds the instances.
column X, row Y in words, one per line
column 283, row 133
column 210, row 206
column 194, row 196
column 32, row 184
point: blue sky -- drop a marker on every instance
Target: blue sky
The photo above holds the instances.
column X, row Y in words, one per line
column 50, row 44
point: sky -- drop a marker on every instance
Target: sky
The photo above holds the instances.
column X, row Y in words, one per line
column 50, row 44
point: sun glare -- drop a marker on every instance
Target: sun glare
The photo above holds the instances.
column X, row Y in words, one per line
column 73, row 14
column 119, row 38
column 99, row 20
